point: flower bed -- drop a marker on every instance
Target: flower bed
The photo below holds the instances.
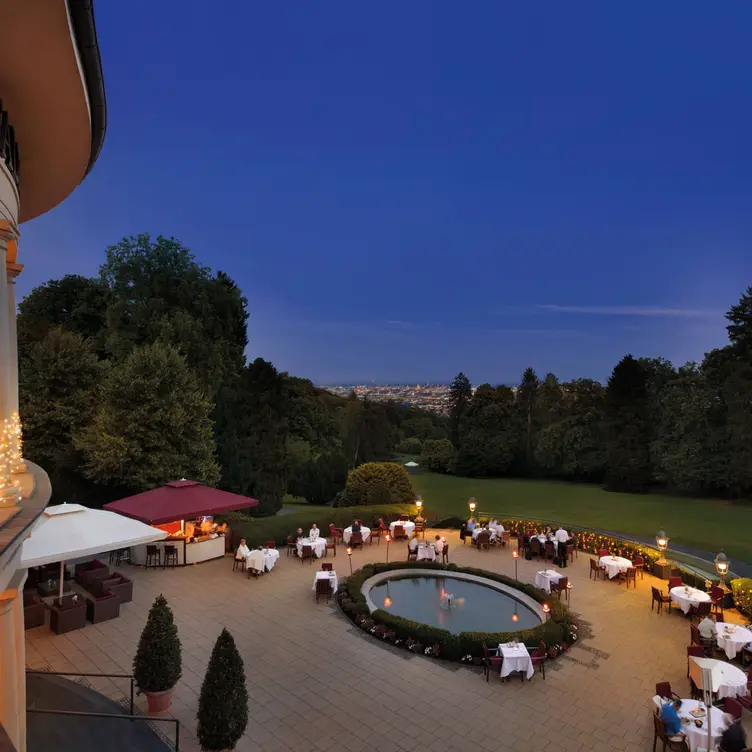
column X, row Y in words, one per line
column 742, row 590
column 558, row 632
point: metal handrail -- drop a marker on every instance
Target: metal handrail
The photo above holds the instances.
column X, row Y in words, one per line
column 612, row 534
column 84, row 714
column 98, row 676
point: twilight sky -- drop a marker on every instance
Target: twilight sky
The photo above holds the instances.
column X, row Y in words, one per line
column 404, row 190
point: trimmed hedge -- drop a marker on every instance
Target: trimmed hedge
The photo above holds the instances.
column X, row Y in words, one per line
column 556, row 630
column 742, row 590
column 258, row 530
column 375, row 480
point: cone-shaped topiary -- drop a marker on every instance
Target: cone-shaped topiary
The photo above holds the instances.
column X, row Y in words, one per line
column 223, row 702
column 158, row 665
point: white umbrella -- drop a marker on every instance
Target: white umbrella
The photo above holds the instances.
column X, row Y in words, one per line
column 69, row 531
column 411, row 464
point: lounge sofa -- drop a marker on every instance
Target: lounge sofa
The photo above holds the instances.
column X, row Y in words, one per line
column 115, row 583
column 34, row 610
column 68, row 616
column 90, row 571
column 103, row 607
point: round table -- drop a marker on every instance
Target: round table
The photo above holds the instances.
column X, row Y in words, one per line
column 365, row 533
column 685, row 597
column 614, row 564
column 697, row 738
column 544, row 579
column 732, row 642
column 408, row 526
column 426, row 551
column 318, row 546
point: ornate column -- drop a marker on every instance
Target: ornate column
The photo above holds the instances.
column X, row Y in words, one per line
column 16, row 455
column 9, row 679
column 8, row 491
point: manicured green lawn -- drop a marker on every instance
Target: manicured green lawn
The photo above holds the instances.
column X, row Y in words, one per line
column 707, row 524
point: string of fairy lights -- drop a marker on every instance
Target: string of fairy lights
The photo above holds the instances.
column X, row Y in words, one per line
column 11, row 458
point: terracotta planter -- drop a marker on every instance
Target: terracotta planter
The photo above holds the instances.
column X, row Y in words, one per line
column 159, row 702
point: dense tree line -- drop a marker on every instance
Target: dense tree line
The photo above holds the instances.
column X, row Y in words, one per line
column 686, row 429
column 139, row 376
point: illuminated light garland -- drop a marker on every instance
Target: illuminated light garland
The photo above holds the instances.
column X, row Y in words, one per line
column 17, row 464
column 9, row 491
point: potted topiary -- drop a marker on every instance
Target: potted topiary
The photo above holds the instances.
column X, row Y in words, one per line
column 157, row 665
column 223, row 702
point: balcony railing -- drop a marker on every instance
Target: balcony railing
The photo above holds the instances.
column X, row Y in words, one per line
column 9, row 147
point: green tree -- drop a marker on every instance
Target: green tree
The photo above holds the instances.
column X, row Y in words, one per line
column 628, row 427
column 460, row 396
column 438, row 455
column 223, row 701
column 739, row 328
column 152, row 424
column 158, row 665
column 737, row 393
column 59, row 376
column 489, row 439
column 527, row 394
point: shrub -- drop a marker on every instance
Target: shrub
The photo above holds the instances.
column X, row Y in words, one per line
column 451, row 647
column 742, row 590
column 450, row 523
column 438, row 455
column 223, row 702
column 158, row 664
column 410, row 446
column 258, row 530
column 362, row 480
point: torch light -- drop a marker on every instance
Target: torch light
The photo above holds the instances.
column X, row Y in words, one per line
column 515, row 556
column 546, row 610
column 387, row 538
column 349, row 558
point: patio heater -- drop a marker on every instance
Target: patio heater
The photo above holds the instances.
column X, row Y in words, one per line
column 661, row 568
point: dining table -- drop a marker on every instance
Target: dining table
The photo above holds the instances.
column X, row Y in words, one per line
column 516, row 658
column 732, row 638
column 317, row 544
column 331, row 576
column 613, row 565
column 686, row 597
column 545, row 578
column 365, row 534
column 409, row 527
column 697, row 736
column 426, row 552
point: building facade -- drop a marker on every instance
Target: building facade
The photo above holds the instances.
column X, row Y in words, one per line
column 52, row 126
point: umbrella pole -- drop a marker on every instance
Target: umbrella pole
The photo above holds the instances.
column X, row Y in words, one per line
column 62, row 572
column 707, row 685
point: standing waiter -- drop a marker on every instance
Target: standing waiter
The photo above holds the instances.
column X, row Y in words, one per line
column 562, row 539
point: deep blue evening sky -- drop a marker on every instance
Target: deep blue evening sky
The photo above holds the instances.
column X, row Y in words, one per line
column 407, row 189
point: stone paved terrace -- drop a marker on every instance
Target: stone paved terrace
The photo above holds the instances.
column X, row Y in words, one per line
column 318, row 683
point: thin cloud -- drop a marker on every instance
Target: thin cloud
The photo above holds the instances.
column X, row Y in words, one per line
column 644, row 311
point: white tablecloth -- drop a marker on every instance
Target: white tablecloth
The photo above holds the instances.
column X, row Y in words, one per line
column 614, row 564
column 516, row 659
column 697, row 738
column 732, row 642
column 332, row 576
column 426, row 551
column 270, row 556
column 686, row 599
column 544, row 579
column 364, row 531
column 318, row 546
column 409, row 527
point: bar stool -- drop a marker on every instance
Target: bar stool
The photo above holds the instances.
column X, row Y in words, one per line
column 153, row 556
column 170, row 556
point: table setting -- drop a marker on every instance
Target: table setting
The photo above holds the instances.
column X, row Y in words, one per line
column 731, row 638
column 426, row 552
column 331, row 576
column 613, row 565
column 365, row 533
column 318, row 545
column 516, row 658
column 694, row 719
column 545, row 578
column 479, row 530
column 685, row 597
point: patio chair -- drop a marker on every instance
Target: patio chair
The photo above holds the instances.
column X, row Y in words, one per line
column 746, row 655
column 420, row 527
column 376, row 533
column 483, row 541
column 627, row 576
column 670, row 742
column 306, row 553
column 327, row 567
column 747, row 701
column 68, row 616
column 694, row 651
column 335, row 532
column 323, row 588
column 291, row 548
column 700, row 610
column 535, row 548
column 331, row 547
column 403, row 518
column 34, row 610
column 506, row 538
column 732, row 706
column 660, row 599
column 412, row 555
column 445, row 553
column 270, row 544
column 356, row 539
column 102, row 608
column 561, row 586
column 603, row 552
column 716, row 600
column 399, row 532
column 674, row 582
column 550, row 550
column 491, row 660
column 639, row 565
column 538, row 657
column 238, row 563
column 663, row 689
column 595, row 570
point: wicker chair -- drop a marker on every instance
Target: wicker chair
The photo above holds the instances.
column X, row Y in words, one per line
column 34, row 610
column 102, row 608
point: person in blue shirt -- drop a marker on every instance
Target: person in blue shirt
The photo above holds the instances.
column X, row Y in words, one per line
column 670, row 717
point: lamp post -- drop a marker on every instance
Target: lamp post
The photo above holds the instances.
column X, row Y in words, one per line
column 472, row 504
column 515, row 556
column 349, row 558
column 662, row 568
column 722, row 567
column 387, row 538
column 419, row 505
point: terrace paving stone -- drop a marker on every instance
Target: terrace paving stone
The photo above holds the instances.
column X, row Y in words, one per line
column 316, row 681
